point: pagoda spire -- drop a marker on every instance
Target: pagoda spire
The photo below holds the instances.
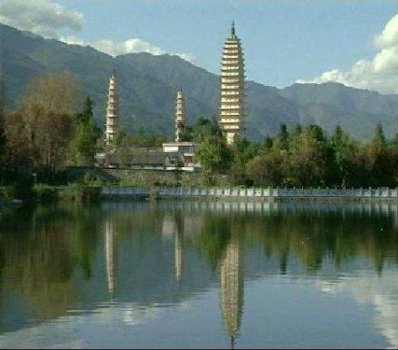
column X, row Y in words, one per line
column 179, row 116
column 233, row 28
column 112, row 108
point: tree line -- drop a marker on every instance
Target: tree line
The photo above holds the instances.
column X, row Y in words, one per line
column 301, row 157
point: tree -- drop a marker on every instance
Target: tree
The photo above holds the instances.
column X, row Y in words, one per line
column 2, row 143
column 83, row 143
column 242, row 151
column 187, row 133
column 53, row 91
column 41, row 128
column 381, row 162
column 120, row 136
column 268, row 169
column 282, row 141
column 379, row 140
column 344, row 149
column 213, row 154
column 311, row 158
column 206, row 127
column 19, row 155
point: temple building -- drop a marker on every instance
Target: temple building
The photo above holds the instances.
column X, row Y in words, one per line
column 183, row 151
column 180, row 116
column 232, row 89
column 231, row 288
column 112, row 106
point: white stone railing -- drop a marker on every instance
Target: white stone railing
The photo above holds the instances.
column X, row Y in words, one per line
column 249, row 193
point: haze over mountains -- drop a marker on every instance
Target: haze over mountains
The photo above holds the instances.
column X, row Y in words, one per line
column 148, row 85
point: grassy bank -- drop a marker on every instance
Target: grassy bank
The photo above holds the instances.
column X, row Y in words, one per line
column 46, row 193
column 83, row 184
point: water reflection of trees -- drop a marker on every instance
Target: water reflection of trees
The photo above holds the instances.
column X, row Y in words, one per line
column 312, row 237
column 41, row 253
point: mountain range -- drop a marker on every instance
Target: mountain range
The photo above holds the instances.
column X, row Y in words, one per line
column 148, row 85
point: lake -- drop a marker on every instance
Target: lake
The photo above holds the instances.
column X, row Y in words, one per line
column 199, row 274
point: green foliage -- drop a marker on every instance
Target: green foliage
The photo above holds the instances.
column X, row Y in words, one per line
column 21, row 188
column 79, row 193
column 379, row 140
column 45, row 193
column 344, row 149
column 213, row 154
column 85, row 135
column 268, row 169
column 242, row 151
column 282, row 139
column 38, row 133
column 3, row 150
column 308, row 158
column 187, row 133
column 213, row 239
column 120, row 137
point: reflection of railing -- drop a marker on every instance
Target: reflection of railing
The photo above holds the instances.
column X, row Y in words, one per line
column 251, row 193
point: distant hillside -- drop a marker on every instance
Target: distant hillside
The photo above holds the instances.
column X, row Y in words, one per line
column 148, row 85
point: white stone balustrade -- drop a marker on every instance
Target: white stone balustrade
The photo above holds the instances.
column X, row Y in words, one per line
column 252, row 193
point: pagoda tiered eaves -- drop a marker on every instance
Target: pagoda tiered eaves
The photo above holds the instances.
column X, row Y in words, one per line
column 111, row 110
column 232, row 86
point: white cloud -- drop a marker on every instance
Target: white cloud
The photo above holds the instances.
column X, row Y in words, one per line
column 380, row 73
column 389, row 35
column 120, row 48
column 378, row 291
column 41, row 17
column 72, row 40
column 131, row 45
column 186, row 56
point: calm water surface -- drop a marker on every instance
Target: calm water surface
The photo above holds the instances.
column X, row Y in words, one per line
column 198, row 274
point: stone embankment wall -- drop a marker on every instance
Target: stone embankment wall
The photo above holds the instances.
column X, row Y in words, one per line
column 248, row 193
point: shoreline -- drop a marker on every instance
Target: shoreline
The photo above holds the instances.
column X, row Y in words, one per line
column 249, row 194
column 89, row 194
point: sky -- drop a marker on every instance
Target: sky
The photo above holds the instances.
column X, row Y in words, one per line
column 354, row 42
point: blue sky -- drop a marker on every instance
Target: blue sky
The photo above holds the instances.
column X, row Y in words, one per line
column 284, row 40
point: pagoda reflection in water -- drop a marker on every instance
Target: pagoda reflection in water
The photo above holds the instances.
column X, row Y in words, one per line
column 231, row 288
column 109, row 256
column 178, row 254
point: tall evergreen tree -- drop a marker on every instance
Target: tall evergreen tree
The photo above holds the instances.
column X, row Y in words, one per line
column 344, row 149
column 378, row 138
column 84, row 136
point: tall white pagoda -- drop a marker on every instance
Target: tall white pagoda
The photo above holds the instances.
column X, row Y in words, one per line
column 112, row 107
column 232, row 87
column 179, row 116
